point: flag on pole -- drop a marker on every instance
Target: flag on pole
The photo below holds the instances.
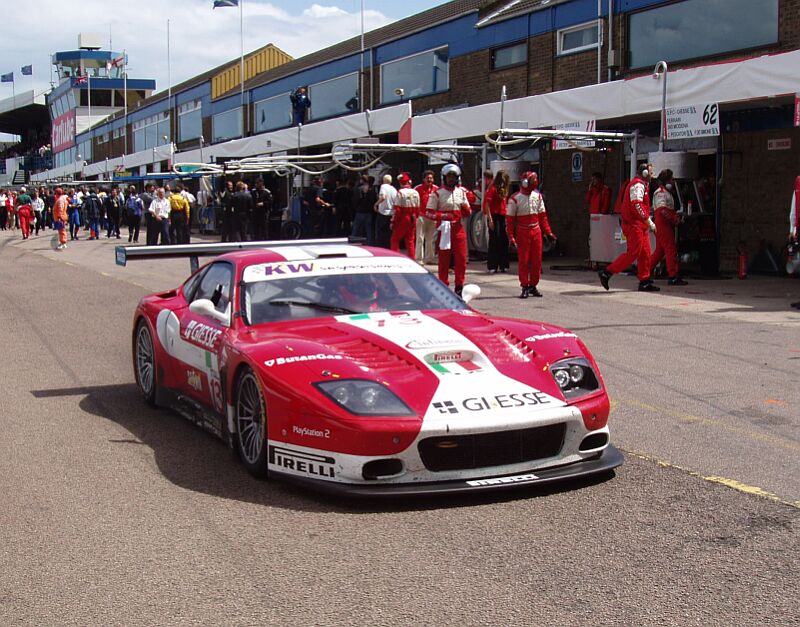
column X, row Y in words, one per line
column 27, row 70
column 81, row 80
column 225, row 3
column 119, row 61
column 7, row 78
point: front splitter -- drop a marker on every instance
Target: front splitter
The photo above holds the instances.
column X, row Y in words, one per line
column 609, row 459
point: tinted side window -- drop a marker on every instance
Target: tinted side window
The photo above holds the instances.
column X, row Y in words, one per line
column 218, row 274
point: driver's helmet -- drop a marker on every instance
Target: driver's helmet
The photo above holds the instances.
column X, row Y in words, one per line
column 451, row 168
column 353, row 289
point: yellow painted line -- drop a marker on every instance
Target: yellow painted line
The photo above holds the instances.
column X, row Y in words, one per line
column 754, row 435
column 729, row 483
column 104, row 273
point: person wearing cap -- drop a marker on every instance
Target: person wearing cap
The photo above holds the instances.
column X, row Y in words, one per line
column 406, row 208
column 25, row 212
column 60, row 207
column 447, row 206
column 636, row 223
column 526, row 222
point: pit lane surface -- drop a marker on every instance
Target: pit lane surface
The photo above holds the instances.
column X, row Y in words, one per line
column 115, row 513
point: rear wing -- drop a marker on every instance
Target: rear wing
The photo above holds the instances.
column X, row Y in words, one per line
column 193, row 252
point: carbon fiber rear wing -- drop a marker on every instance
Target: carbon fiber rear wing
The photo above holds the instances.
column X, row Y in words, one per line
column 193, row 252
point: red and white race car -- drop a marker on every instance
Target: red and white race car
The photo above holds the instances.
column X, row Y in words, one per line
column 355, row 369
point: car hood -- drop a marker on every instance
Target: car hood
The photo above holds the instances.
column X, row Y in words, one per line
column 434, row 360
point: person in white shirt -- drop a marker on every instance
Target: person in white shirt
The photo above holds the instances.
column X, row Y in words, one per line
column 385, row 209
column 160, row 209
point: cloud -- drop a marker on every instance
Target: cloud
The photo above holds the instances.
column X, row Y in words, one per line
column 201, row 38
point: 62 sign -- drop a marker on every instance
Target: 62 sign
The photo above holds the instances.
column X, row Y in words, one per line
column 710, row 114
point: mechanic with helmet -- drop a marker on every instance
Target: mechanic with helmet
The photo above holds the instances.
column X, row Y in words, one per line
column 447, row 205
column 406, row 209
column 635, row 224
column 526, row 221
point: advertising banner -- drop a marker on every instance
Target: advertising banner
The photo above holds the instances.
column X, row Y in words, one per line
column 562, row 144
column 63, row 135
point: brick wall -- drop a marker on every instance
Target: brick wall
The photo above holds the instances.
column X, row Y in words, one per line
column 756, row 192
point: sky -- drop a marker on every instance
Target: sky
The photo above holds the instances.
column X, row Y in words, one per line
column 200, row 37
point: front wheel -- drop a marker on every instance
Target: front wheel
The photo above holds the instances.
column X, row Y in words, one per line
column 251, row 424
column 144, row 361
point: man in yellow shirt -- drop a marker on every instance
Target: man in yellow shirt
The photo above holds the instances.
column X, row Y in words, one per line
column 179, row 219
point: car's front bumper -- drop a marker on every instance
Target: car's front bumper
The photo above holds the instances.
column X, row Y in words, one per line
column 607, row 460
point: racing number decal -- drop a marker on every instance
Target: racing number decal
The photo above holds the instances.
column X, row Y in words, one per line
column 216, row 393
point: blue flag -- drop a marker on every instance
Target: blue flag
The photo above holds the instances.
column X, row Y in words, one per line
column 7, row 78
column 225, row 3
column 27, row 70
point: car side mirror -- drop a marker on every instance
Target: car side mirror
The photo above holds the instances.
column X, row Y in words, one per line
column 469, row 292
column 205, row 307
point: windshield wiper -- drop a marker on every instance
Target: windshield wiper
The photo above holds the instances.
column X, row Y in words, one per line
column 310, row 305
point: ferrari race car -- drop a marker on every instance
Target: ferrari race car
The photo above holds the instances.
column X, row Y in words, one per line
column 355, row 369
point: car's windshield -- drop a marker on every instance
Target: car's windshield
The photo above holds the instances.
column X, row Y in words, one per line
column 275, row 292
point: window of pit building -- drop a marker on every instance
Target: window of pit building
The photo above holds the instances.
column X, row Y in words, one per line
column 417, row 75
column 274, row 112
column 226, row 125
column 577, row 38
column 509, row 56
column 334, row 97
column 190, row 120
column 681, row 31
column 151, row 132
column 85, row 150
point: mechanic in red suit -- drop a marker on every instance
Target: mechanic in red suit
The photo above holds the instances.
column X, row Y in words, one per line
column 404, row 220
column 666, row 219
column 526, row 221
column 598, row 196
column 446, row 206
column 635, row 225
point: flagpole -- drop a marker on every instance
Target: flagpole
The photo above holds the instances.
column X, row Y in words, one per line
column 89, row 88
column 241, row 69
column 125, row 96
column 361, row 81
column 169, row 87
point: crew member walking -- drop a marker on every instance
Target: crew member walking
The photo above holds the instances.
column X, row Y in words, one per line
column 527, row 220
column 666, row 219
column 635, row 224
column 60, row 217
column 406, row 209
column 446, row 206
column 25, row 212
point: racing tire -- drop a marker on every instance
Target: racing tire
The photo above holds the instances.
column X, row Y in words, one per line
column 291, row 230
column 144, row 362
column 250, row 419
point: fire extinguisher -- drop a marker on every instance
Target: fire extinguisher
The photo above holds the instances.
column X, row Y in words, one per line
column 742, row 263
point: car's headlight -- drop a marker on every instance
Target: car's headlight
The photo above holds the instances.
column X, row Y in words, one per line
column 364, row 398
column 575, row 377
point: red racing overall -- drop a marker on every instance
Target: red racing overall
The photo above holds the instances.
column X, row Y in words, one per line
column 526, row 220
column 666, row 220
column 404, row 221
column 635, row 226
column 450, row 204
